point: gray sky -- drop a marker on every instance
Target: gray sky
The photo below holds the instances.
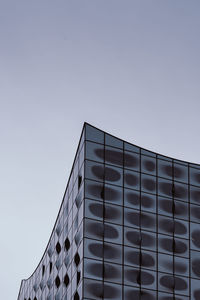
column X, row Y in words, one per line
column 131, row 68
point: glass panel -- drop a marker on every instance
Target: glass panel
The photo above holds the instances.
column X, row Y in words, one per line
column 132, row 179
column 172, row 208
column 149, row 153
column 99, row 211
column 95, row 289
column 132, row 148
column 137, row 219
column 131, row 198
column 148, row 183
column 114, row 156
column 138, row 277
column 148, row 165
column 98, row 230
column 94, row 151
column 195, row 264
column 100, row 172
column 139, row 294
column 195, row 195
column 131, row 161
column 173, row 226
column 172, row 245
column 181, row 173
column 113, row 141
column 195, row 213
column 170, row 283
column 195, row 289
column 98, row 270
column 170, row 264
column 164, row 169
column 195, row 176
column 143, row 239
column 98, row 191
column 140, row 258
column 148, row 202
column 99, row 250
column 195, row 236
column 94, row 134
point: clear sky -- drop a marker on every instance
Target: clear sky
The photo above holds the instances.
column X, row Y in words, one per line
column 130, row 67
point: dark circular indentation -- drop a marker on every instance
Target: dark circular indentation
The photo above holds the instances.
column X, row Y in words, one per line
column 135, row 219
column 133, row 198
column 76, row 296
column 102, row 291
column 67, row 244
column 173, row 245
column 131, row 179
column 172, row 283
column 97, row 191
column 110, row 174
column 196, row 267
column 57, row 282
column 66, row 280
column 143, row 239
column 106, row 251
column 111, row 156
column 196, row 238
column 58, row 247
column 138, row 258
column 149, row 165
column 77, row 259
column 179, row 209
column 149, row 184
column 103, row 270
column 139, row 295
column 139, row 277
column 109, row 212
column 172, row 226
column 101, row 230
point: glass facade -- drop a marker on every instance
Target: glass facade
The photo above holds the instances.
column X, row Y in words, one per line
column 128, row 227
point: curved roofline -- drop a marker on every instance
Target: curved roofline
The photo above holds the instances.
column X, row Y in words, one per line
column 156, row 153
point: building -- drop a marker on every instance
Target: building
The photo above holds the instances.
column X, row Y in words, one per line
column 128, row 227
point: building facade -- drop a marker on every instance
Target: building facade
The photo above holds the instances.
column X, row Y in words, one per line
column 128, row 227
